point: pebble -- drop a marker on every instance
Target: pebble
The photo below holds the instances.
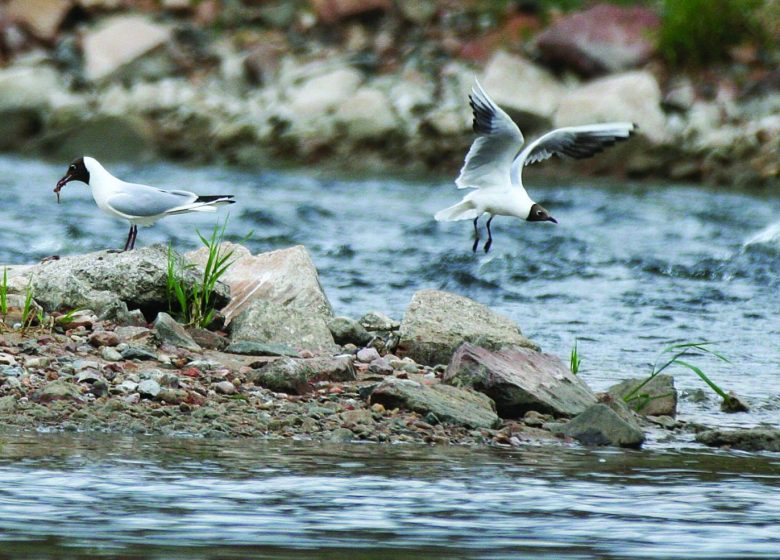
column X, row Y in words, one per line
column 132, row 399
column 103, row 338
column 367, row 355
column 88, row 376
column 381, row 367
column 225, row 388
column 110, row 354
column 11, row 371
column 138, row 353
column 149, row 387
column 128, row 386
column 37, row 362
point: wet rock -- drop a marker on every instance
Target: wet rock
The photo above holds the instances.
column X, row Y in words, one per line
column 168, row 331
column 286, row 277
column 225, row 388
column 448, row 404
column 378, row 321
column 288, row 375
column 657, row 397
column 600, row 425
column 346, row 330
column 57, row 391
column 436, row 323
column 734, row 403
column 367, row 355
column 631, row 96
column 526, row 91
column 149, row 388
column 604, row 38
column 120, row 41
column 107, row 282
column 342, row 435
column 750, row 439
column 519, row 380
column 99, row 339
column 41, row 17
column 269, row 322
column 331, row 11
column 260, row 349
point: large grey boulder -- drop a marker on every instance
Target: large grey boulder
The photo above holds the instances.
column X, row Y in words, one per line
column 286, row 277
column 604, row 38
column 272, row 323
column 25, row 93
column 448, row 404
column 750, row 439
column 120, row 41
column 436, row 323
column 630, row 96
column 107, row 283
column 657, row 397
column 528, row 92
column 298, row 376
column 519, row 380
column 601, row 425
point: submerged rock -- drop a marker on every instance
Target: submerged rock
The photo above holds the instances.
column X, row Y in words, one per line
column 657, row 397
column 286, row 277
column 448, row 404
column 271, row 323
column 750, row 439
column 436, row 323
column 288, row 375
column 519, row 380
column 601, row 425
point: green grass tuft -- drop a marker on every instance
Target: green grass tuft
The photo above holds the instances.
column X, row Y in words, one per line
column 698, row 32
column 574, row 359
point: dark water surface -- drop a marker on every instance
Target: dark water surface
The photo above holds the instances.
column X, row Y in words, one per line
column 86, row 497
column 629, row 267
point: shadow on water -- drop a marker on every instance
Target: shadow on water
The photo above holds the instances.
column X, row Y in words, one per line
column 162, row 498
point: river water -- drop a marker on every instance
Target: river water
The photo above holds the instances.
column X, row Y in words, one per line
column 629, row 268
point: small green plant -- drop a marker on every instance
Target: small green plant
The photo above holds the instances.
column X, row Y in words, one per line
column 698, row 32
column 670, row 356
column 4, row 294
column 574, row 359
column 196, row 304
column 27, row 310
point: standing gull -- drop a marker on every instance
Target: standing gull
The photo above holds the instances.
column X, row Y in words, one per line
column 138, row 204
column 494, row 167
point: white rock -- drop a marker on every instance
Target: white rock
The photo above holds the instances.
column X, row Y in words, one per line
column 367, row 114
column 28, row 87
column 119, row 41
column 324, row 93
column 631, row 96
column 42, row 17
column 520, row 85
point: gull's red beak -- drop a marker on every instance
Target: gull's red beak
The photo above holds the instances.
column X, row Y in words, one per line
column 61, row 183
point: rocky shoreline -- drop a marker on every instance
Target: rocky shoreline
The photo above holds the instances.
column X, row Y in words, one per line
column 370, row 85
column 277, row 363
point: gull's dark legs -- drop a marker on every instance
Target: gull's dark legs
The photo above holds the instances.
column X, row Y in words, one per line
column 476, row 235
column 490, row 235
column 129, row 238
column 134, row 229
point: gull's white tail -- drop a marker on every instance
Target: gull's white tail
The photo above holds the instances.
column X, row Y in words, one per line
column 203, row 204
column 463, row 210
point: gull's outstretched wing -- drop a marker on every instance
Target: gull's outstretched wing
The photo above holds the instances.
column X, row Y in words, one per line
column 578, row 142
column 144, row 201
column 490, row 157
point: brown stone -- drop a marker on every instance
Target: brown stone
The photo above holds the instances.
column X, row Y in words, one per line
column 41, row 17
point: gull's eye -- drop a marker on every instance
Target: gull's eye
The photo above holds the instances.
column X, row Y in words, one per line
column 539, row 213
column 73, row 168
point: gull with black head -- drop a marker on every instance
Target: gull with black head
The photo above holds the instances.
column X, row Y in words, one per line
column 141, row 205
column 494, row 163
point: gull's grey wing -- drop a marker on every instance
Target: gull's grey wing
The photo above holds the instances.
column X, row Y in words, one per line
column 490, row 157
column 578, row 142
column 144, row 201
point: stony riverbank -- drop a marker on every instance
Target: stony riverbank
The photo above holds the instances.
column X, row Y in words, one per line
column 277, row 363
column 371, row 85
